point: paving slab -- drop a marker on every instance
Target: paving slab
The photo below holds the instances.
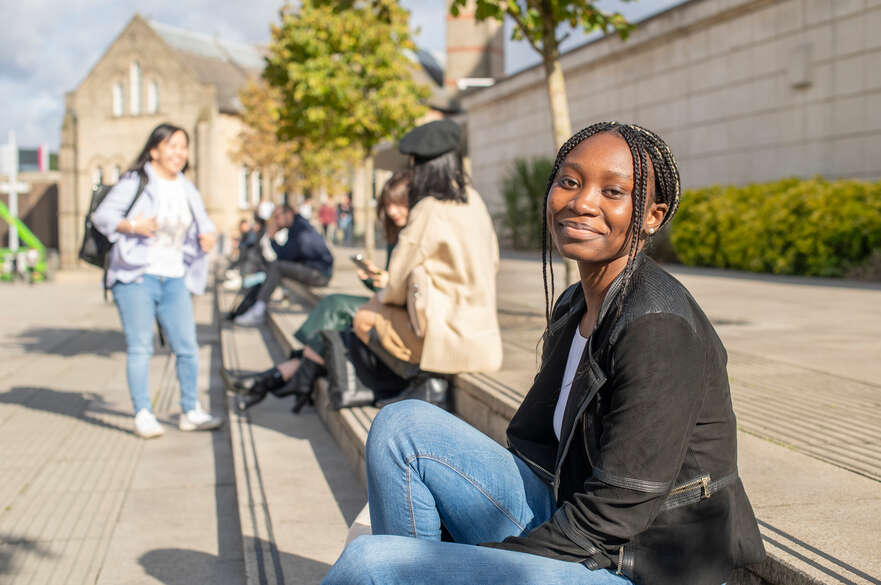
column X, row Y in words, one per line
column 83, row 500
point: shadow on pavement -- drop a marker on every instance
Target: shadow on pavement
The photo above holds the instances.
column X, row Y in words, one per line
column 79, row 405
column 175, row 566
column 10, row 545
column 63, row 341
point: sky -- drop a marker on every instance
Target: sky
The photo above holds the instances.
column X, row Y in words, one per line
column 48, row 46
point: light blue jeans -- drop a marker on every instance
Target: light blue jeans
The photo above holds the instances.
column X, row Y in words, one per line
column 140, row 304
column 424, row 467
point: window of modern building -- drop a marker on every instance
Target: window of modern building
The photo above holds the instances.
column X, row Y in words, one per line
column 152, row 97
column 98, row 176
column 243, row 188
column 118, row 99
column 256, row 188
column 134, row 75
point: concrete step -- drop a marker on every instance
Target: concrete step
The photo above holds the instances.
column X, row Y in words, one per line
column 296, row 493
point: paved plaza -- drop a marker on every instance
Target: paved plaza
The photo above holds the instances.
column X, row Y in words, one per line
column 82, row 500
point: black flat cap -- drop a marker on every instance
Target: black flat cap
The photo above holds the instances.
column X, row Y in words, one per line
column 431, row 140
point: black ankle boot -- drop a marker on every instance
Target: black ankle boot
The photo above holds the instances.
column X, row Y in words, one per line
column 302, row 382
column 268, row 381
column 247, row 383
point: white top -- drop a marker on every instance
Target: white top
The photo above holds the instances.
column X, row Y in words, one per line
column 173, row 216
column 575, row 352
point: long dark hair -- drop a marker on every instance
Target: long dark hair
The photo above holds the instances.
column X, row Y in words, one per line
column 645, row 146
column 160, row 134
column 441, row 177
column 395, row 190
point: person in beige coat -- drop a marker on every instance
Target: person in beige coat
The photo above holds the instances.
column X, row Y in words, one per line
column 450, row 237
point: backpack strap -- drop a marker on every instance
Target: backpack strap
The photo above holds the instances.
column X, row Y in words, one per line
column 142, row 184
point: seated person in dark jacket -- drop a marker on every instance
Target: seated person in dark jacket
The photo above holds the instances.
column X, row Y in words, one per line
column 302, row 256
column 622, row 459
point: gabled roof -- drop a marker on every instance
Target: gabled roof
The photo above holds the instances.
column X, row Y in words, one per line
column 226, row 65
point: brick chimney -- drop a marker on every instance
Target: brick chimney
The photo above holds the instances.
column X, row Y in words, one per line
column 475, row 50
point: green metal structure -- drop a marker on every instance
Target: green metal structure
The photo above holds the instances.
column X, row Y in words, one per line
column 28, row 241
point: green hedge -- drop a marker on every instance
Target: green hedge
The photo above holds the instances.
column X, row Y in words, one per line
column 523, row 189
column 810, row 227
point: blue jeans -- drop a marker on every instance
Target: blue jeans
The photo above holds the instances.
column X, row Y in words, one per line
column 140, row 304
column 424, row 467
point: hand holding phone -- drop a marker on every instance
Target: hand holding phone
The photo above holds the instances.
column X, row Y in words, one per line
column 370, row 272
column 361, row 263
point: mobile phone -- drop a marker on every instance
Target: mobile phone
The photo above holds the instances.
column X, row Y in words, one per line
column 358, row 259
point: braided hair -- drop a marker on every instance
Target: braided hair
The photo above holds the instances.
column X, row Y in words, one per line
column 644, row 146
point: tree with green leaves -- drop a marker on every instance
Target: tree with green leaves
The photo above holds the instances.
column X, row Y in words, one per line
column 343, row 76
column 298, row 165
column 539, row 23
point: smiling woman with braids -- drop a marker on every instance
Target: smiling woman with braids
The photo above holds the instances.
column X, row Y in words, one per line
column 622, row 466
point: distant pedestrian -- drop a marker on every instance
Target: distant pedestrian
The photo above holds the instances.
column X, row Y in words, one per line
column 327, row 219
column 345, row 220
column 158, row 259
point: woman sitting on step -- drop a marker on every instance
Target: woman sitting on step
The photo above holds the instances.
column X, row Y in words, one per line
column 297, row 375
column 622, row 459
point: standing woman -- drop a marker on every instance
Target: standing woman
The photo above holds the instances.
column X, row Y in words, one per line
column 622, row 459
column 157, row 260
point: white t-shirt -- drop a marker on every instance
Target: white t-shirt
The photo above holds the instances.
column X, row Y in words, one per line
column 575, row 352
column 173, row 216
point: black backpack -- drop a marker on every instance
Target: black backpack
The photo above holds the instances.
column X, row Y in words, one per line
column 96, row 246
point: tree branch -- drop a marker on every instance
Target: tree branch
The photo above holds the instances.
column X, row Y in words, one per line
column 521, row 24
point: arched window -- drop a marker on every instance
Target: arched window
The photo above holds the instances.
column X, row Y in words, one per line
column 118, row 99
column 243, row 188
column 114, row 176
column 256, row 188
column 98, row 176
column 152, row 97
column 134, row 75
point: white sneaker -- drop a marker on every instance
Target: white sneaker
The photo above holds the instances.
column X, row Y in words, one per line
column 233, row 284
column 146, row 425
column 198, row 420
column 253, row 316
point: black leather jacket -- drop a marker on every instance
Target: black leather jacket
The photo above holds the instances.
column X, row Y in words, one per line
column 645, row 473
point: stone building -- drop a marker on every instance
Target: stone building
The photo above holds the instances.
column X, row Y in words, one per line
column 743, row 91
column 154, row 73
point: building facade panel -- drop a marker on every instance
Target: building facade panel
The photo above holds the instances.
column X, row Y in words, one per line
column 743, row 90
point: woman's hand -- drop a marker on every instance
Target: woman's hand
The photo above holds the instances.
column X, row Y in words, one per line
column 207, row 241
column 376, row 275
column 379, row 278
column 141, row 226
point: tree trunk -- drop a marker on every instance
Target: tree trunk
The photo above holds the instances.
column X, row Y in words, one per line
column 369, row 210
column 560, row 120
column 362, row 204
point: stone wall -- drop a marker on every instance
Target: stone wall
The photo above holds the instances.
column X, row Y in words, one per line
column 742, row 90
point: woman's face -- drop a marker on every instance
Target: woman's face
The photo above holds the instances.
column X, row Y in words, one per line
column 397, row 212
column 590, row 203
column 170, row 156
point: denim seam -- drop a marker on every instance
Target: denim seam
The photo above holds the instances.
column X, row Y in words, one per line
column 410, row 501
column 463, row 476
